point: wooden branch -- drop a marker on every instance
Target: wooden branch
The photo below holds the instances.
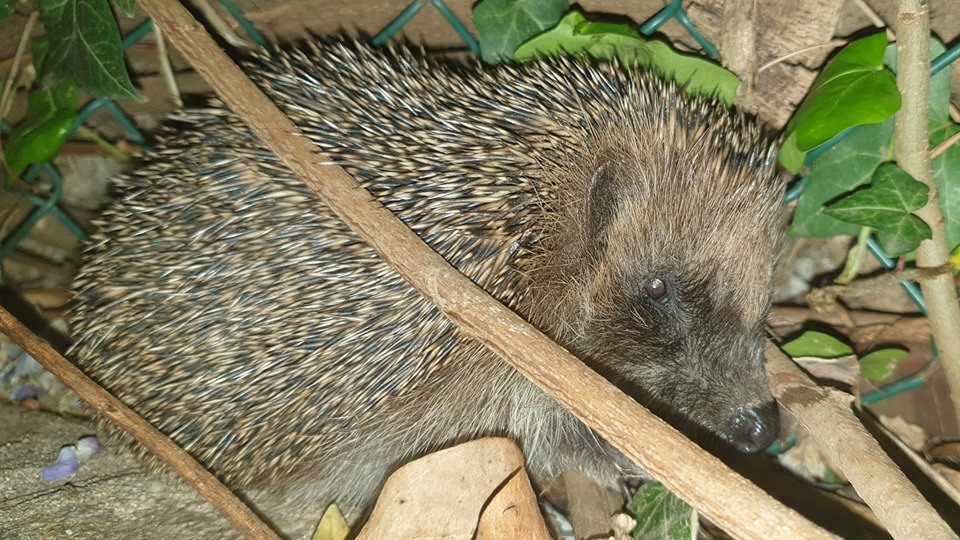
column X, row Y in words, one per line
column 822, row 299
column 696, row 476
column 232, row 508
column 912, row 150
column 738, row 41
column 6, row 95
column 792, row 318
column 825, row 413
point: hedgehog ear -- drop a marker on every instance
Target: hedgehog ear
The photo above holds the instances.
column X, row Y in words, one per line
column 601, row 204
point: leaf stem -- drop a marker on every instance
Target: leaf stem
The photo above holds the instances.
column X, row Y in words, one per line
column 114, row 152
column 854, row 258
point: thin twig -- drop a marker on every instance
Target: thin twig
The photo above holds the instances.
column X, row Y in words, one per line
column 923, row 465
column 164, row 60
column 859, row 288
column 112, row 408
column 102, row 143
column 219, row 25
column 870, row 13
column 6, row 99
column 942, row 147
column 823, row 300
column 875, row 18
column 7, row 63
column 830, row 44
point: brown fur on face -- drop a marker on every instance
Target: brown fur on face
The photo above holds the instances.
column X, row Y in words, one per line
column 672, row 202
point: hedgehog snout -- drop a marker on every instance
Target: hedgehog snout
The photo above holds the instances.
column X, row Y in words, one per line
column 754, row 428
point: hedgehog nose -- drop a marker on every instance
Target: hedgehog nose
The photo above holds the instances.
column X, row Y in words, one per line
column 755, row 428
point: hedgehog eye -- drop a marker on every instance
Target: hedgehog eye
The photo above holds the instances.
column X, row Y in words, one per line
column 656, row 289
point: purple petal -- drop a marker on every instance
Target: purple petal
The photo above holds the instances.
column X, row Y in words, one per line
column 86, row 447
column 24, row 392
column 65, row 465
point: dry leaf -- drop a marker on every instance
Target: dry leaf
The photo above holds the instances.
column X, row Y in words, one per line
column 589, row 507
column 806, row 460
column 911, row 434
column 845, row 370
column 332, row 526
column 444, row 494
column 947, row 452
column 513, row 512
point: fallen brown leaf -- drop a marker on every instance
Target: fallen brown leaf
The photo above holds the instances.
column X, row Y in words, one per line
column 446, row 494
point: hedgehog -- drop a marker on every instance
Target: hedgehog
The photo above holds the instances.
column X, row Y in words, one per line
column 636, row 226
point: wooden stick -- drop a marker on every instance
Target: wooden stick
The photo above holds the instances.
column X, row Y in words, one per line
column 826, row 414
column 232, row 508
column 912, row 150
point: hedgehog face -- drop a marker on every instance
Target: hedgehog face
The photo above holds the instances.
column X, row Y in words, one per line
column 672, row 306
column 683, row 348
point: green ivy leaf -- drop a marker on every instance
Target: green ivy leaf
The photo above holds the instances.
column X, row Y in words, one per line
column 879, row 365
column 587, row 28
column 892, row 193
column 846, row 166
column 39, row 47
column 852, row 162
column 567, row 38
column 955, row 260
column 789, row 155
column 502, row 25
column 6, row 8
column 905, row 238
column 816, row 344
column 86, row 46
column 854, row 89
column 946, row 174
column 659, row 513
column 129, row 7
column 574, row 35
column 886, row 206
column 946, row 166
column 39, row 137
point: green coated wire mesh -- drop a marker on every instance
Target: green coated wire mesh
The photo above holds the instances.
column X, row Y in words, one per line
column 51, row 203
